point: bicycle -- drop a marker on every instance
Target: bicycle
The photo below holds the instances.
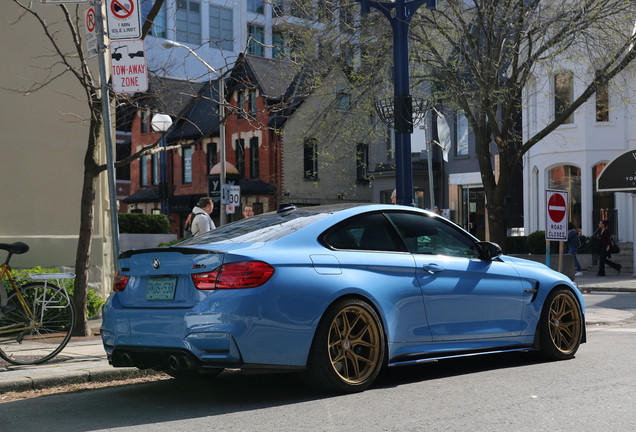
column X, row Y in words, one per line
column 38, row 321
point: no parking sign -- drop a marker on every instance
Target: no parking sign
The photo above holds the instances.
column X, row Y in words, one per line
column 556, row 226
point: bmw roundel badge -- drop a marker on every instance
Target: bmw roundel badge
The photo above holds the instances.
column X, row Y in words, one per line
column 155, row 263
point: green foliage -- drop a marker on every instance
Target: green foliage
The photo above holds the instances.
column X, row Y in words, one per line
column 94, row 302
column 516, row 245
column 536, row 242
column 170, row 243
column 139, row 223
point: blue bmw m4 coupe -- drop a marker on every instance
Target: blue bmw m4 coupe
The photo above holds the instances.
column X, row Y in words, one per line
column 334, row 293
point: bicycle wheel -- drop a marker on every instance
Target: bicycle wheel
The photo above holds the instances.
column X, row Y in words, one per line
column 24, row 341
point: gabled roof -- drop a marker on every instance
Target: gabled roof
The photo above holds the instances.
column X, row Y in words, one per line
column 191, row 104
column 270, row 76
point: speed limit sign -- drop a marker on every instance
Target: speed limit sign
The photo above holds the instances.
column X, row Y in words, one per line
column 230, row 194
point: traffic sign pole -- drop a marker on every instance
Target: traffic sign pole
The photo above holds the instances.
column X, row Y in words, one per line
column 556, row 221
column 108, row 138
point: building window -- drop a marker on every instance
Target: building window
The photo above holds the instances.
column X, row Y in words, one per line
column 240, row 103
column 278, row 43
column 278, row 8
column 156, row 169
column 602, row 101
column 221, row 28
column 255, row 6
column 461, row 134
column 343, row 101
column 158, row 28
column 212, row 156
column 256, row 42
column 251, row 102
column 563, row 94
column 143, row 171
column 189, row 21
column 254, row 158
column 187, row 165
column 568, row 178
column 362, row 163
column 240, row 156
column 310, row 158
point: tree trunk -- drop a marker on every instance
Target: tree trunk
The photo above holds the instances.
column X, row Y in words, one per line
column 87, row 218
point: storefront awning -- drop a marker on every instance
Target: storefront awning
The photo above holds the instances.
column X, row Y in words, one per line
column 619, row 175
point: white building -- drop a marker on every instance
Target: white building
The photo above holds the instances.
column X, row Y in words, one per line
column 573, row 156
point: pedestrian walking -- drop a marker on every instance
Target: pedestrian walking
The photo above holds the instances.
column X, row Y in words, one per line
column 202, row 222
column 605, row 242
column 573, row 243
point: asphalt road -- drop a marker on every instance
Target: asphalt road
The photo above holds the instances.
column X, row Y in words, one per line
column 511, row 392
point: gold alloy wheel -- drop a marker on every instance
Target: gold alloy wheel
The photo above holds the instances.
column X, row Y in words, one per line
column 564, row 323
column 354, row 344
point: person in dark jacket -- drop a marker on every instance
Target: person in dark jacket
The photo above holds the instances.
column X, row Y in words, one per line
column 605, row 243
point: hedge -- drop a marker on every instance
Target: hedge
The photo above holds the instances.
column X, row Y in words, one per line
column 139, row 223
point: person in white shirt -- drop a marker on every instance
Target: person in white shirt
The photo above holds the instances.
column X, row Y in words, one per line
column 202, row 221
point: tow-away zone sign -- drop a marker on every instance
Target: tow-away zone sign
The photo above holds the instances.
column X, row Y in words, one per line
column 128, row 66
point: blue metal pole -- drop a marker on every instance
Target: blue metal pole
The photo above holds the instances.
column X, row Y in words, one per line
column 403, row 107
column 163, row 188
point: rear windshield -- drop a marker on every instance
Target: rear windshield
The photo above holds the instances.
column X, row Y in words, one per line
column 262, row 228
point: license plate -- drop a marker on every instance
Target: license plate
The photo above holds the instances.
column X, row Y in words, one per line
column 161, row 288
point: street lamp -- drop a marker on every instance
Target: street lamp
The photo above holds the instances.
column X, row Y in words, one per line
column 161, row 123
column 399, row 14
column 222, row 176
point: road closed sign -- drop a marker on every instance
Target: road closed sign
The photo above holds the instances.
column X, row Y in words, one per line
column 129, row 72
column 556, row 215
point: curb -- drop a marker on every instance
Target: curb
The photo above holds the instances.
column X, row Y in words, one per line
column 101, row 374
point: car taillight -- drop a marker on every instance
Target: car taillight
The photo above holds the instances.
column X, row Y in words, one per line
column 244, row 274
column 120, row 282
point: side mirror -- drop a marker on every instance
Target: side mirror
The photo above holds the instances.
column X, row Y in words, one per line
column 489, row 250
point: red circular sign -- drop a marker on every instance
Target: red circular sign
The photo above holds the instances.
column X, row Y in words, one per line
column 556, row 207
column 90, row 20
column 122, row 8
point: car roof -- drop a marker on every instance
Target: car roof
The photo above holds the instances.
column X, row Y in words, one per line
column 287, row 220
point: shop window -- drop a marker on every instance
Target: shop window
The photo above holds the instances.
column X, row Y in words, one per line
column 568, row 178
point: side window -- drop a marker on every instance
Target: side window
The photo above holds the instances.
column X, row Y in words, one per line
column 369, row 232
column 428, row 235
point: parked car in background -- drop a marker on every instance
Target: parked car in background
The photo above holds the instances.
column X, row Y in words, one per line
column 334, row 293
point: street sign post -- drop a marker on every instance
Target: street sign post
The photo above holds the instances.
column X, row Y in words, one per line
column 124, row 19
column 91, row 33
column 556, row 215
column 231, row 194
column 128, row 66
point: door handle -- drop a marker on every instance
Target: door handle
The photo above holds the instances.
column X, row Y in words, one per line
column 433, row 268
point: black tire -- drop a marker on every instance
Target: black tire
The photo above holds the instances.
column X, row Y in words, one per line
column 347, row 352
column 34, row 342
column 561, row 325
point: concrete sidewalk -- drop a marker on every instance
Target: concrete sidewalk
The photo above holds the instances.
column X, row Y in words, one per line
column 84, row 359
